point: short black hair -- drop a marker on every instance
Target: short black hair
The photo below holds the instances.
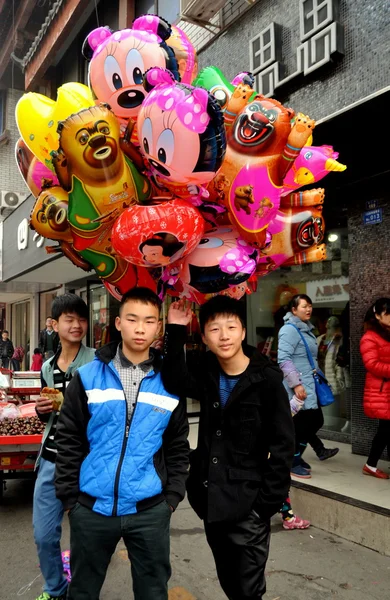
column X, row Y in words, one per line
column 5, row 331
column 141, row 294
column 37, row 351
column 295, row 300
column 69, row 303
column 221, row 305
column 49, row 317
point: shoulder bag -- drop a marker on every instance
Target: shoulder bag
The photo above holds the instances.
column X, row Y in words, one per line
column 323, row 389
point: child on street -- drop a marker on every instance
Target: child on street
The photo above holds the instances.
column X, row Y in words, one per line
column 240, row 470
column 122, row 457
column 70, row 321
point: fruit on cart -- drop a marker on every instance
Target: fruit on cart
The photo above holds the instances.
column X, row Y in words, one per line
column 22, row 426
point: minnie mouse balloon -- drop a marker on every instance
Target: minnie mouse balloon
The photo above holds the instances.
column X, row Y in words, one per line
column 181, row 134
column 159, row 234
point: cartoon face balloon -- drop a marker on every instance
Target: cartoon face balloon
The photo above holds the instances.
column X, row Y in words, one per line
column 181, row 133
column 120, row 59
column 157, row 235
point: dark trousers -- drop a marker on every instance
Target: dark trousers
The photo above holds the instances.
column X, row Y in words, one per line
column 240, row 552
column 379, row 443
column 307, row 423
column 94, row 537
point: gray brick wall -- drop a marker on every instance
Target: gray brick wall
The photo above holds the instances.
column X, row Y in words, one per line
column 369, row 280
column 363, row 70
column 10, row 178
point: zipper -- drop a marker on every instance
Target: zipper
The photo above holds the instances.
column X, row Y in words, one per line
column 124, row 445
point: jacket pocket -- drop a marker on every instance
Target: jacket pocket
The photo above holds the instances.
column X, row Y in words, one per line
column 160, row 467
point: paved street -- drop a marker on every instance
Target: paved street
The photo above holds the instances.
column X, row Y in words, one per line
column 303, row 565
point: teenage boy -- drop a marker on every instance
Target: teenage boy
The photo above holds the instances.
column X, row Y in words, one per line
column 122, row 457
column 6, row 349
column 240, row 470
column 70, row 322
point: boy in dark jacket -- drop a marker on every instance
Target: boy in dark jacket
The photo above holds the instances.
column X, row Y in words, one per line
column 240, row 470
column 6, row 350
column 122, row 457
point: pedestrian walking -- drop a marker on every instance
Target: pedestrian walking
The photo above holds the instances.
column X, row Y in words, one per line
column 17, row 358
column 122, row 457
column 6, row 349
column 240, row 471
column 48, row 339
column 298, row 379
column 70, row 320
column 37, row 360
column 375, row 352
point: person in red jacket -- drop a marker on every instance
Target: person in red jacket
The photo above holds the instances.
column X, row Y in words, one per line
column 37, row 360
column 375, row 351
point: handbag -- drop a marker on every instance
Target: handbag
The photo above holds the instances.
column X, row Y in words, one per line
column 323, row 390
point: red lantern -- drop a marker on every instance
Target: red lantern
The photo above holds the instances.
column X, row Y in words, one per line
column 158, row 234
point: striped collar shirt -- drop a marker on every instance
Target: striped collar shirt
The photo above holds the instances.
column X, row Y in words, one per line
column 131, row 375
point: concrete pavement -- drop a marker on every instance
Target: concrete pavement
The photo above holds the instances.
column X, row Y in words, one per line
column 303, row 565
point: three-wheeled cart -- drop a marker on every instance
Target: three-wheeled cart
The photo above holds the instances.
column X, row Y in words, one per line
column 18, row 454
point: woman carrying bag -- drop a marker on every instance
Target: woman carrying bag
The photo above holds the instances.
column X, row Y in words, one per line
column 297, row 357
column 375, row 351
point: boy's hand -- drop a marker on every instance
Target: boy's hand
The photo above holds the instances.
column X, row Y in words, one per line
column 179, row 313
column 44, row 405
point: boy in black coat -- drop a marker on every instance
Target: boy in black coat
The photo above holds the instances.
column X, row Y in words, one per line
column 240, row 470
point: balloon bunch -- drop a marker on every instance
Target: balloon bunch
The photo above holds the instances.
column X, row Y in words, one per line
column 156, row 175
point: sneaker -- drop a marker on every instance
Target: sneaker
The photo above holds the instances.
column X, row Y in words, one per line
column 295, row 523
column 326, row 453
column 378, row 473
column 46, row 596
column 300, row 472
column 305, row 465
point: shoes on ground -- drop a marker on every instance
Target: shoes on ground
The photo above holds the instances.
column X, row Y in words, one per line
column 295, row 523
column 378, row 473
column 326, row 453
column 300, row 472
column 304, row 464
column 46, row 596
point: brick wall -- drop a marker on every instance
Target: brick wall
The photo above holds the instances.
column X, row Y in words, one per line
column 362, row 71
column 369, row 280
column 10, row 178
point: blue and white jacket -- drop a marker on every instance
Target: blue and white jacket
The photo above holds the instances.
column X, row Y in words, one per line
column 114, row 464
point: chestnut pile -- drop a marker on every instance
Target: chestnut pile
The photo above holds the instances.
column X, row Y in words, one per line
column 21, row 426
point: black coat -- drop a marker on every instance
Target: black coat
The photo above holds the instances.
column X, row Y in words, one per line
column 245, row 451
column 43, row 335
column 6, row 348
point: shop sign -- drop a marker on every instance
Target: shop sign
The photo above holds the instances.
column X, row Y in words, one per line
column 23, row 248
column 372, row 217
column 321, row 39
column 326, row 291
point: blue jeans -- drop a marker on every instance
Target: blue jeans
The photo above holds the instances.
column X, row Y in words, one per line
column 47, row 518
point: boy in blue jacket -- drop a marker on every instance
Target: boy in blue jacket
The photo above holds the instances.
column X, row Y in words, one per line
column 70, row 321
column 122, row 457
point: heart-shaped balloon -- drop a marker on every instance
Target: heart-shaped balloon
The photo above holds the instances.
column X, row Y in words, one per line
column 159, row 234
column 37, row 117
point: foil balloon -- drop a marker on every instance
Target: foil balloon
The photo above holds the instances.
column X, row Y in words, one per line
column 221, row 260
column 37, row 117
column 182, row 136
column 185, row 54
column 119, row 60
column 311, row 165
column 102, row 181
column 296, row 236
column 231, row 96
column 159, row 234
column 31, row 169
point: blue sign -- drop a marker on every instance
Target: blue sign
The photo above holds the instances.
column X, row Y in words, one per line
column 371, row 217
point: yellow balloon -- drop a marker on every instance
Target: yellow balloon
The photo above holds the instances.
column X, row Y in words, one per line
column 37, row 117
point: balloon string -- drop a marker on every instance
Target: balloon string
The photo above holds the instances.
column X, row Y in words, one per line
column 97, row 14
